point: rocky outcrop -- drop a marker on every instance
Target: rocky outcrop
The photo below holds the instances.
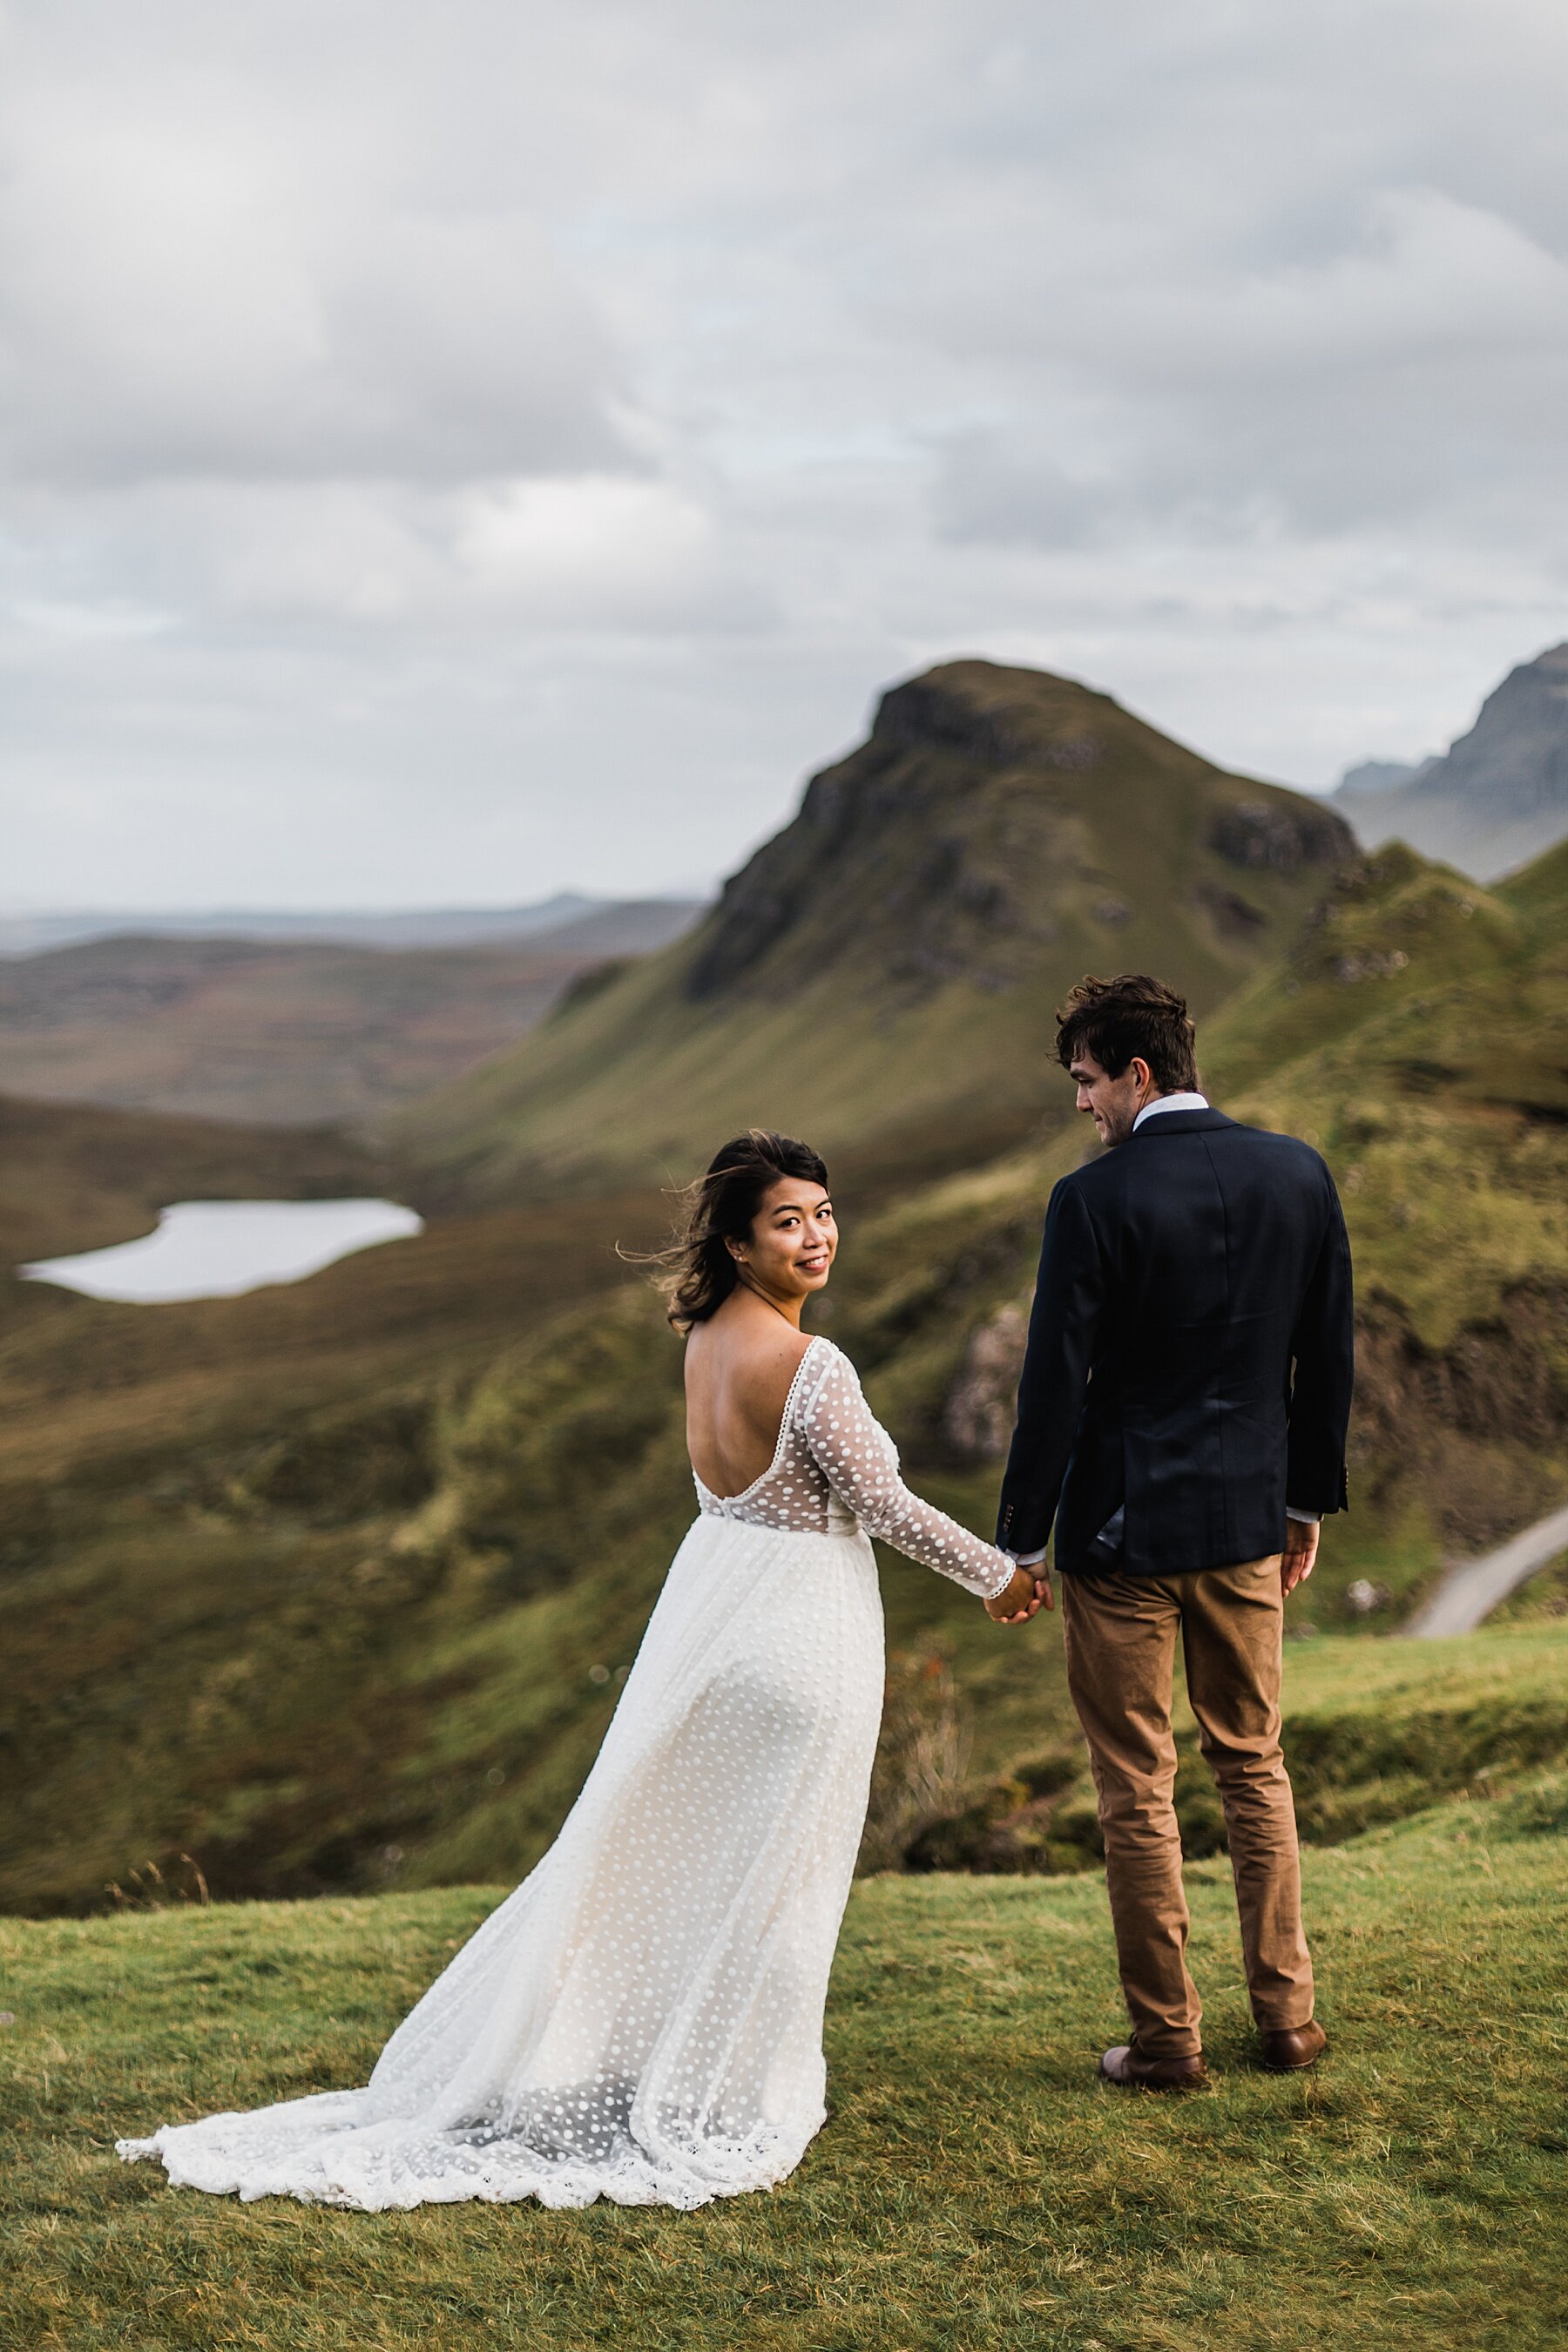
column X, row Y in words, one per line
column 1485, row 1420
column 977, row 1416
column 930, row 710
column 1282, row 836
column 917, row 786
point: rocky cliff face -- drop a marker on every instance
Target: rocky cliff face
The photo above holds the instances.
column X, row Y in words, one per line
column 1498, row 797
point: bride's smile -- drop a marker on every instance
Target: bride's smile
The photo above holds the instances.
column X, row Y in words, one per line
column 789, row 1250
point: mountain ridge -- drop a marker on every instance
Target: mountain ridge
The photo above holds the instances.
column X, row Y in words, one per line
column 891, row 957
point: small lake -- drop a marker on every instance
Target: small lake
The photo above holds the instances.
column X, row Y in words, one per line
column 217, row 1249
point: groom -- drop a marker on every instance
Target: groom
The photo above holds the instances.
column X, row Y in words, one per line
column 1181, row 1420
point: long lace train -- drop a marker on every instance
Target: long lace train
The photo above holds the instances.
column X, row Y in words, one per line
column 642, row 2019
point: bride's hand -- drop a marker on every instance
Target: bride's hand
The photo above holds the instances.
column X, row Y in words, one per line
column 1028, row 1592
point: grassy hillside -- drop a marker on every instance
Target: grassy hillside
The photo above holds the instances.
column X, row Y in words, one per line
column 287, row 1032
column 885, row 967
column 1434, row 1078
column 975, row 2187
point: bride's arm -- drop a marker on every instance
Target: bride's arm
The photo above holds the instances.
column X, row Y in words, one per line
column 859, row 1460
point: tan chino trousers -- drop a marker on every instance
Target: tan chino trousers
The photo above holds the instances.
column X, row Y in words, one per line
column 1121, row 1637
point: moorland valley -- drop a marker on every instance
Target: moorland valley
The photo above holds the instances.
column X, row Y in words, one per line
column 334, row 1026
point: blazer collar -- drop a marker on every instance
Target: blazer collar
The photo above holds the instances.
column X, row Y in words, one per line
column 1182, row 1122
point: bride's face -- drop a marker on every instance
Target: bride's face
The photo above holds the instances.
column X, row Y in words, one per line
column 792, row 1240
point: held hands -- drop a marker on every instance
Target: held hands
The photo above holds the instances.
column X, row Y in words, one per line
column 1028, row 1592
column 1030, row 1589
column 1300, row 1552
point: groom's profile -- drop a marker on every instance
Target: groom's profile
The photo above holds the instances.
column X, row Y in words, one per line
column 1182, row 1419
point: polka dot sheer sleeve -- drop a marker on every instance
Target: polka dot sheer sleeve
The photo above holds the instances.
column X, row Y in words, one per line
column 860, row 1462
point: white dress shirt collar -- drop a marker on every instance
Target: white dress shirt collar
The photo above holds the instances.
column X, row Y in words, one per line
column 1170, row 1102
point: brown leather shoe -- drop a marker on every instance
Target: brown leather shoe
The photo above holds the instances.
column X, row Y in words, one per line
column 1126, row 2064
column 1292, row 2047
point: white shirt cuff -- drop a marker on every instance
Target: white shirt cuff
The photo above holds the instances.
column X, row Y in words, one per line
column 1027, row 1559
column 1309, row 1518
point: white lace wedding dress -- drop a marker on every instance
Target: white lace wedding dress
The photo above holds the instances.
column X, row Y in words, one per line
column 642, row 2019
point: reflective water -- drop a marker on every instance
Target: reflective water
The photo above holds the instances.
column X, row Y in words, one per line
column 215, row 1249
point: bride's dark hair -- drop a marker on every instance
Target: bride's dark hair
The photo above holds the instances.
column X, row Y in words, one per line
column 720, row 1207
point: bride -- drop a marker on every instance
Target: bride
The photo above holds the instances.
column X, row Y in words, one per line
column 642, row 2019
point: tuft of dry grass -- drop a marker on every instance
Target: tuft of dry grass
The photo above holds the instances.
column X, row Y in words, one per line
column 923, row 1757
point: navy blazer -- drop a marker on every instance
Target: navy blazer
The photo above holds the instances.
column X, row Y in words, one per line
column 1191, row 1353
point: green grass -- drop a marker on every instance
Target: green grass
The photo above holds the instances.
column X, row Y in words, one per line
column 1419, row 1038
column 1541, row 1598
column 974, row 2186
column 1379, row 1729
column 1376, row 1731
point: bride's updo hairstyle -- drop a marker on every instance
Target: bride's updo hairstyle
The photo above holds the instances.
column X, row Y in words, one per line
column 720, row 1207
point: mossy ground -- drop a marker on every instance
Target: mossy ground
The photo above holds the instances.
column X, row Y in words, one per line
column 976, row 2187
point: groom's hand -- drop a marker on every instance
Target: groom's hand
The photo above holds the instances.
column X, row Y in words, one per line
column 1301, row 1551
column 1023, row 1598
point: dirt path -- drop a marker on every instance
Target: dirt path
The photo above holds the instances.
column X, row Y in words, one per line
column 1471, row 1593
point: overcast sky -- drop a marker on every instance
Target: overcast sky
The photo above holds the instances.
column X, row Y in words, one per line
column 449, row 453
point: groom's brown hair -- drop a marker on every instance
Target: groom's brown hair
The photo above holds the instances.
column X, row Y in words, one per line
column 1114, row 1019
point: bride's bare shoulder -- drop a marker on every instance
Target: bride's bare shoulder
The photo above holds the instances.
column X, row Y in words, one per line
column 754, row 1356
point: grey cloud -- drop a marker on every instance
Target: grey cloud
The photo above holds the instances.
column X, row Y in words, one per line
column 1422, row 366
column 186, row 289
column 1003, row 488
column 510, row 447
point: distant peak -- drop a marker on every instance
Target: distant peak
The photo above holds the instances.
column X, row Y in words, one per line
column 1499, row 795
column 1377, row 776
